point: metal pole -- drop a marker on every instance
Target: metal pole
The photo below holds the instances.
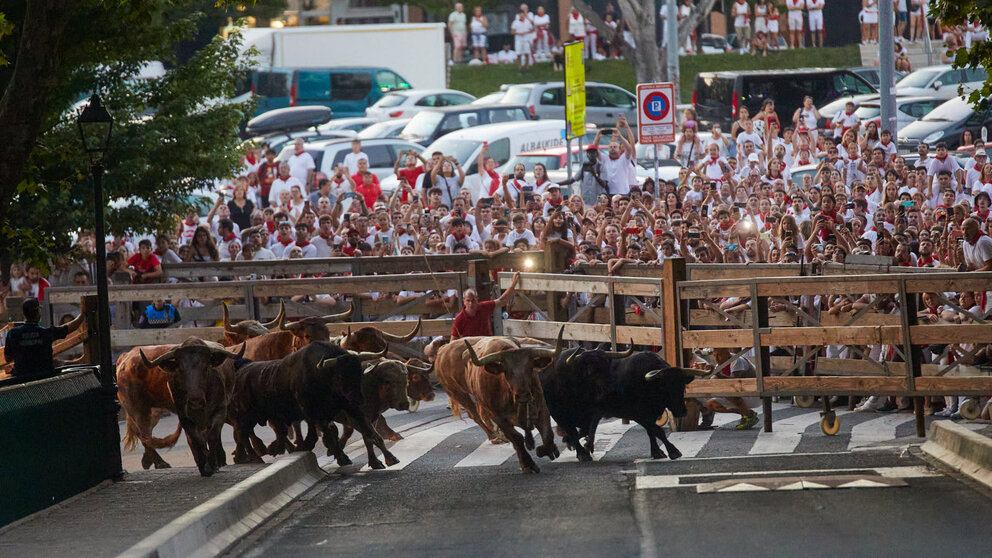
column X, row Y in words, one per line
column 656, row 188
column 568, row 157
column 672, row 34
column 886, row 61
column 108, row 377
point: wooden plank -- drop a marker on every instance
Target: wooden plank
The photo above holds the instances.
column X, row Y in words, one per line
column 948, row 282
column 599, row 333
column 582, row 284
column 174, row 291
column 957, row 333
column 792, row 336
column 856, row 367
column 954, row 386
column 709, row 318
column 363, row 284
column 722, row 387
column 698, row 272
column 832, row 385
column 673, row 271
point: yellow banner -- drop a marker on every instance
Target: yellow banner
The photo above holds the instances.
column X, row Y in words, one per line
column 575, row 91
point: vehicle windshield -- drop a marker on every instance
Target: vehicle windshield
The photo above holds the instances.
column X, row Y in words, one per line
column 516, row 95
column 550, row 162
column 390, row 101
column 489, row 99
column 461, row 150
column 954, row 110
column 867, row 112
column 422, row 125
column 919, row 78
column 378, row 130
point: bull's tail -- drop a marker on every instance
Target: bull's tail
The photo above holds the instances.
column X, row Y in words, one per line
column 132, row 434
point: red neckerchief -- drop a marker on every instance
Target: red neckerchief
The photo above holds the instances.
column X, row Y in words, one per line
column 727, row 227
column 494, row 182
column 983, row 215
column 271, row 225
column 188, row 224
column 250, row 159
column 285, row 243
column 326, row 237
column 612, row 158
column 458, row 236
column 230, row 237
column 575, row 16
column 923, row 262
column 305, row 244
column 977, row 236
column 941, row 159
column 555, row 203
column 299, row 152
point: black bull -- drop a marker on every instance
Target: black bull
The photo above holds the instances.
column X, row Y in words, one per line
column 315, row 384
column 584, row 387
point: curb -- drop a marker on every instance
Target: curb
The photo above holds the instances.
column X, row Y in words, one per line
column 961, row 449
column 214, row 526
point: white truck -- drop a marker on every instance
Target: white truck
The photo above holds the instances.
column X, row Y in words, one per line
column 414, row 50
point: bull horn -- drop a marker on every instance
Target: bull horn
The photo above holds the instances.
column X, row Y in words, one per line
column 406, row 338
column 240, row 328
column 544, row 351
column 697, row 372
column 514, row 341
column 488, row 359
column 290, row 327
column 421, row 369
column 330, row 318
column 327, row 363
column 570, row 361
column 618, row 354
column 76, row 322
column 157, row 361
column 653, row 373
column 363, row 356
column 229, row 354
column 274, row 324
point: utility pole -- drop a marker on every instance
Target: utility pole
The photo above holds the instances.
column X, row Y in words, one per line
column 886, row 63
column 672, row 35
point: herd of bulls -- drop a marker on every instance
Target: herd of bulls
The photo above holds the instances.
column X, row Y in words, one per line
column 283, row 374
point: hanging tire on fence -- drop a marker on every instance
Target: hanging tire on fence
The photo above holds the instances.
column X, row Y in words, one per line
column 803, row 401
column 830, row 423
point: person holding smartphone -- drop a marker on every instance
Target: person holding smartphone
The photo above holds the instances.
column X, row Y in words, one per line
column 618, row 169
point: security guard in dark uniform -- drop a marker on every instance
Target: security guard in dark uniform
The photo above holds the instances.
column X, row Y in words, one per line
column 29, row 345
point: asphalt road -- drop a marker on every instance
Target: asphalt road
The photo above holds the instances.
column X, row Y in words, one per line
column 740, row 492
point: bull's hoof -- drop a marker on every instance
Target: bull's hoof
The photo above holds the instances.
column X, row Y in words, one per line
column 559, row 431
column 275, row 448
column 245, row 459
column 498, row 438
column 657, row 454
column 207, row 471
column 530, row 468
column 391, row 459
column 583, row 456
column 674, row 453
column 395, row 438
column 549, row 451
column 162, row 465
column 589, row 445
column 376, row 464
column 147, row 462
column 343, row 460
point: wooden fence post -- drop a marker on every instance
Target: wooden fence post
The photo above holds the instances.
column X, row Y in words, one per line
column 912, row 354
column 478, row 278
column 673, row 271
column 91, row 350
column 762, row 361
column 555, row 261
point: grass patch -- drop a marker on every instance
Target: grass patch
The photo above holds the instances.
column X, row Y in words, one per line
column 482, row 80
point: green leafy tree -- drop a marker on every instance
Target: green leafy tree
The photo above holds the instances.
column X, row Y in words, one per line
column 960, row 12
column 172, row 134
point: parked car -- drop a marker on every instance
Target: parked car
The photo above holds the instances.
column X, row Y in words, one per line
column 349, row 126
column 386, row 129
column 490, row 99
column 709, row 43
column 604, row 102
column 347, row 91
column 410, row 102
column 945, row 123
column 940, row 81
column 830, row 110
column 505, row 141
column 873, row 75
column 278, row 127
column 327, row 154
column 429, row 125
column 908, row 109
column 719, row 95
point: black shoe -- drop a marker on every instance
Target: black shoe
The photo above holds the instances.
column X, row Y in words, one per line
column 707, row 416
column 888, row 407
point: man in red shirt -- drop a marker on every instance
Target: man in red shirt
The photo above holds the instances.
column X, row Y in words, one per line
column 144, row 266
column 368, row 188
column 475, row 319
column 267, row 172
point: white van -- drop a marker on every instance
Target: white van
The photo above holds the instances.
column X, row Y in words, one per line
column 506, row 140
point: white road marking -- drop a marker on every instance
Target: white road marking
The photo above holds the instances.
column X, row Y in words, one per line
column 645, row 482
column 416, row 445
column 691, row 443
column 878, row 429
column 607, row 435
column 786, row 433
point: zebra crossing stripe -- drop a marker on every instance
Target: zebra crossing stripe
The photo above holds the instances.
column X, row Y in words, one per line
column 876, row 430
column 417, row 445
column 786, row 434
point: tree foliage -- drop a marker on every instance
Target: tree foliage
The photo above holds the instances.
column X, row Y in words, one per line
column 960, row 12
column 171, row 135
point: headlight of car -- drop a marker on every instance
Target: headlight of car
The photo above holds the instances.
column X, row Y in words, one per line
column 934, row 136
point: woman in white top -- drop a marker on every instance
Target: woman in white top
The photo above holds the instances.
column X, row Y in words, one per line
column 760, row 17
column 477, row 28
column 871, row 19
column 807, row 116
column 688, row 149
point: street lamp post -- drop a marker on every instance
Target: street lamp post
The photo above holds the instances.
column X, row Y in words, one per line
column 95, row 125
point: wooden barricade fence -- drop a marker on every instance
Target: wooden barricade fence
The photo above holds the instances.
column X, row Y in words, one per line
column 686, row 322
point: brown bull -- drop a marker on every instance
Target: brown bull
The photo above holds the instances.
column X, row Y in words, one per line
column 495, row 378
column 371, row 339
column 141, row 390
column 247, row 329
column 201, row 396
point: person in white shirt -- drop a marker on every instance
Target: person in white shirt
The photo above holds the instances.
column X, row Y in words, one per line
column 808, row 117
column 795, row 8
column 742, row 24
column 459, row 35
column 303, row 242
column 301, row 165
column 521, row 29
column 284, row 183
column 542, row 35
column 713, row 165
column 324, row 241
column 617, row 166
column 519, row 231
column 351, row 159
column 505, row 56
column 846, row 120
column 576, row 25
column 815, row 8
column 749, row 135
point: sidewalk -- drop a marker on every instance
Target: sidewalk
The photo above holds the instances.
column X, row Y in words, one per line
column 112, row 517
